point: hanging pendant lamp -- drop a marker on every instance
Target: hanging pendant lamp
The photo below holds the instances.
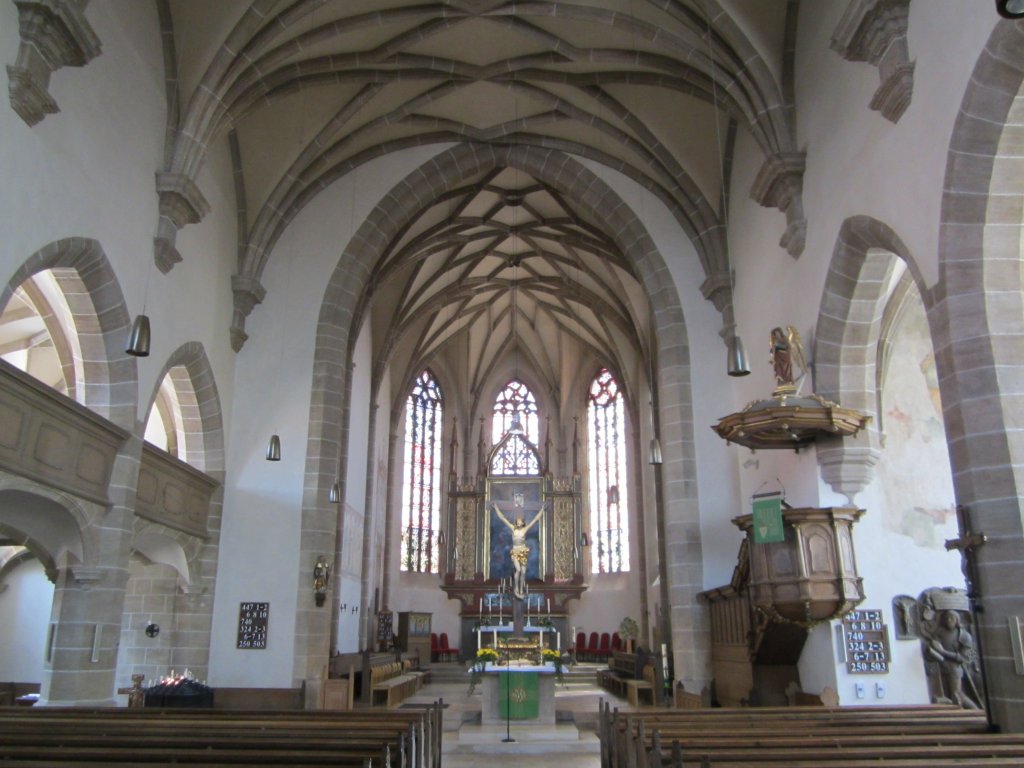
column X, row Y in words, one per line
column 655, row 455
column 274, row 448
column 138, row 338
column 737, row 357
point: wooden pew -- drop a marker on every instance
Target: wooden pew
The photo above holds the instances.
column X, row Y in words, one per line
column 628, row 677
column 394, row 682
column 848, row 737
column 88, row 738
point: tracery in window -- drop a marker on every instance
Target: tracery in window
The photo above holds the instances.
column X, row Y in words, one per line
column 516, row 397
column 516, row 455
column 609, row 522
column 421, row 491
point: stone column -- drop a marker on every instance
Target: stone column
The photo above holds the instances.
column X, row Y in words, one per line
column 85, row 627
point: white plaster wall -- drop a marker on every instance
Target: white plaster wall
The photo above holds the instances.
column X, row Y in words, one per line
column 25, row 599
column 262, row 504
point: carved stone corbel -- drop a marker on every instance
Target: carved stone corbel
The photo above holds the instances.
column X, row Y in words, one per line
column 780, row 184
column 248, row 292
column 875, row 31
column 54, row 34
column 181, row 203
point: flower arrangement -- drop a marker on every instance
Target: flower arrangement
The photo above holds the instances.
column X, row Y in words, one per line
column 552, row 656
column 484, row 656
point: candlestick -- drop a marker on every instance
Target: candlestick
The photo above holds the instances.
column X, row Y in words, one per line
column 549, row 607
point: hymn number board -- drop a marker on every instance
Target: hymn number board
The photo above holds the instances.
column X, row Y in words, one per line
column 867, row 642
column 252, row 625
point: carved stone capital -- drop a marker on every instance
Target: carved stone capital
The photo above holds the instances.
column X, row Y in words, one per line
column 780, row 178
column 875, row 31
column 868, row 28
column 180, row 199
column 54, row 34
column 58, row 30
column 780, row 184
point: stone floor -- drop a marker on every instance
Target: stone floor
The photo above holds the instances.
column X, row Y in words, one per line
column 571, row 743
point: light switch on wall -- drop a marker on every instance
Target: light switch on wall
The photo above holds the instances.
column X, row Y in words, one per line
column 859, row 688
column 879, row 690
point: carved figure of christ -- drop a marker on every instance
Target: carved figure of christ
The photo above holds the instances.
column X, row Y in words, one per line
column 516, row 521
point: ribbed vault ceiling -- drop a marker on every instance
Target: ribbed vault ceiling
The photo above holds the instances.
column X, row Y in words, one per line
column 309, row 90
column 510, row 266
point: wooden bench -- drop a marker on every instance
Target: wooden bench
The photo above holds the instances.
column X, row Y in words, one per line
column 847, row 737
column 637, row 689
column 394, row 682
column 84, row 738
column 626, row 679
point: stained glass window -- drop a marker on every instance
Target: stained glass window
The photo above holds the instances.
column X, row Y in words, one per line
column 421, row 491
column 515, row 456
column 515, row 398
column 609, row 520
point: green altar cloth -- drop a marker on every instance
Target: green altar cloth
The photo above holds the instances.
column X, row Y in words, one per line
column 518, row 697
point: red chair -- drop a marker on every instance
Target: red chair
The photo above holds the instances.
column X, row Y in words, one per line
column 581, row 646
column 447, row 652
column 592, row 650
column 435, row 647
column 616, row 642
column 605, row 649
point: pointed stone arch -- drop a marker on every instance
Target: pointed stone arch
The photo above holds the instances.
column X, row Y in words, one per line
column 345, row 303
column 202, row 419
column 846, row 341
column 50, row 524
column 977, row 319
column 109, row 381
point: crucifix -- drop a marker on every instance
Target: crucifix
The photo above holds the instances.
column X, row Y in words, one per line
column 520, row 552
column 967, row 542
column 136, row 693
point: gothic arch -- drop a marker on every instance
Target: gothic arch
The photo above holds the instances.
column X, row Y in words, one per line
column 847, row 338
column 977, row 317
column 48, row 523
column 101, row 319
column 194, row 385
column 341, row 315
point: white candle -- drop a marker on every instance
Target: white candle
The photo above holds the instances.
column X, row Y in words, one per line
column 549, row 607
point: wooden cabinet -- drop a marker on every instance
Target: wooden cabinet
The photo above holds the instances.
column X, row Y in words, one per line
column 414, row 635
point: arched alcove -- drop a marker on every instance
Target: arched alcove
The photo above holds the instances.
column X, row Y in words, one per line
column 342, row 312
